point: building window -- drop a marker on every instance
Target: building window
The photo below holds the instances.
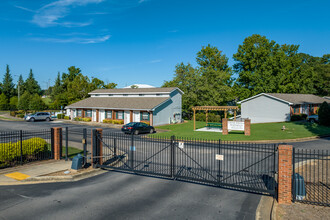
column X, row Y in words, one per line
column 108, row 114
column 97, row 95
column 89, row 113
column 79, row 113
column 125, row 95
column 145, row 116
column 158, row 94
column 120, row 115
column 141, row 95
column 110, row 95
column 296, row 109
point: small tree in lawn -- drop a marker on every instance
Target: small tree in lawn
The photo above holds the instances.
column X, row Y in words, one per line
column 24, row 101
column 324, row 114
column 3, row 102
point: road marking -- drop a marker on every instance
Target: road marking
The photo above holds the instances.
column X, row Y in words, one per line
column 17, row 176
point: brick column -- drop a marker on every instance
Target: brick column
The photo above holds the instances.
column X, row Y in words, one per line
column 97, row 115
column 224, row 126
column 99, row 147
column 57, row 143
column 284, row 174
column 247, row 127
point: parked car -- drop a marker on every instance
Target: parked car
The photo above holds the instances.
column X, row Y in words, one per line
column 313, row 118
column 137, row 128
column 39, row 116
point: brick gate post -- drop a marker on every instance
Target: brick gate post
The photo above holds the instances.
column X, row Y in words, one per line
column 97, row 147
column 247, row 127
column 285, row 171
column 57, row 143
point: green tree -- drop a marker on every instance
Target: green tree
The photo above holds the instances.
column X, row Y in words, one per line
column 36, row 103
column 96, row 84
column 8, row 85
column 57, row 88
column 110, row 85
column 31, row 85
column 78, row 89
column 24, row 101
column 13, row 102
column 3, row 102
column 20, row 85
column 265, row 66
column 324, row 114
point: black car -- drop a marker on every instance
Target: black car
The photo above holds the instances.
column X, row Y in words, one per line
column 137, row 128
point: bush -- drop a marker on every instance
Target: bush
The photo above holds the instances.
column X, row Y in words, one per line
column 86, row 119
column 117, row 122
column 12, row 113
column 324, row 114
column 60, row 116
column 109, row 121
column 67, row 117
column 211, row 117
column 77, row 119
column 11, row 151
column 20, row 115
column 298, row 117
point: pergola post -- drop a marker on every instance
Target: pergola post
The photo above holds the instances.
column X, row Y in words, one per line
column 235, row 115
column 194, row 120
column 206, row 117
column 225, row 113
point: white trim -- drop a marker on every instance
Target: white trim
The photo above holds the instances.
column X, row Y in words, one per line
column 265, row 94
column 121, row 93
column 109, row 108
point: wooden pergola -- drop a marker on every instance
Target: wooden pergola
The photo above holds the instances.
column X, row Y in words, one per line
column 213, row 108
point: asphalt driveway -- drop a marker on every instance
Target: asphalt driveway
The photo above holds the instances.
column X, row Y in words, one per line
column 125, row 196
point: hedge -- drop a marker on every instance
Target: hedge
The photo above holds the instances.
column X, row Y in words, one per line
column 77, row 119
column 60, row 116
column 324, row 114
column 86, row 119
column 67, row 117
column 11, row 151
column 210, row 116
column 298, row 117
column 112, row 121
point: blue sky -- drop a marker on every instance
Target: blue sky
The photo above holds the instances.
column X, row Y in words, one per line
column 141, row 41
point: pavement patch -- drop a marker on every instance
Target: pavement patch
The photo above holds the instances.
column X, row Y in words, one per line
column 17, row 176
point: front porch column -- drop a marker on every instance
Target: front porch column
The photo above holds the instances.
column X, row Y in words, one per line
column 151, row 120
column 131, row 116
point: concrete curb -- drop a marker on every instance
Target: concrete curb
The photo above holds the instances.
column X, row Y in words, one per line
column 265, row 208
column 76, row 177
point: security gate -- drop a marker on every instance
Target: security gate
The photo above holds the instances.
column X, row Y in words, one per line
column 243, row 166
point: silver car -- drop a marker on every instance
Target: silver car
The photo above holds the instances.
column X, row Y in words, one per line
column 39, row 116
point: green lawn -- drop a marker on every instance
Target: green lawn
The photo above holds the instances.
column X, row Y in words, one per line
column 72, row 152
column 266, row 131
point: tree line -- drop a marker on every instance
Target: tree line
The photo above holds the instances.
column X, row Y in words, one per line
column 261, row 65
column 27, row 95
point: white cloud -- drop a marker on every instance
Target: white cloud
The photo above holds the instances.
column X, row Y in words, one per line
column 52, row 13
column 25, row 9
column 155, row 61
column 79, row 40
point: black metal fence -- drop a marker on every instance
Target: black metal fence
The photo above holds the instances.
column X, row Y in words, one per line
column 311, row 179
column 244, row 166
column 19, row 147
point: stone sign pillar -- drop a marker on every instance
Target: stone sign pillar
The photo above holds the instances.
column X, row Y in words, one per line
column 225, row 126
column 247, row 127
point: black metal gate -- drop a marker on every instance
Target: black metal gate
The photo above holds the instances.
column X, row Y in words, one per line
column 242, row 166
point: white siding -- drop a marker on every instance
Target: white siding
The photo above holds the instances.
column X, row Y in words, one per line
column 265, row 109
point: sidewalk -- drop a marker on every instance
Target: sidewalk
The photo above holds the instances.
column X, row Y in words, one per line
column 44, row 171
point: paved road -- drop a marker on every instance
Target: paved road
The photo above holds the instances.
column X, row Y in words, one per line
column 124, row 196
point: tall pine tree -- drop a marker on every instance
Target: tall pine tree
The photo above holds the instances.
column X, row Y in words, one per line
column 8, row 85
column 31, row 85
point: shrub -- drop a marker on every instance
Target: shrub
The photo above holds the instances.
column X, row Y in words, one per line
column 77, row 119
column 298, row 117
column 324, row 114
column 60, row 116
column 12, row 113
column 86, row 119
column 11, row 151
column 67, row 117
column 211, row 117
column 117, row 122
column 110, row 121
column 20, row 115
